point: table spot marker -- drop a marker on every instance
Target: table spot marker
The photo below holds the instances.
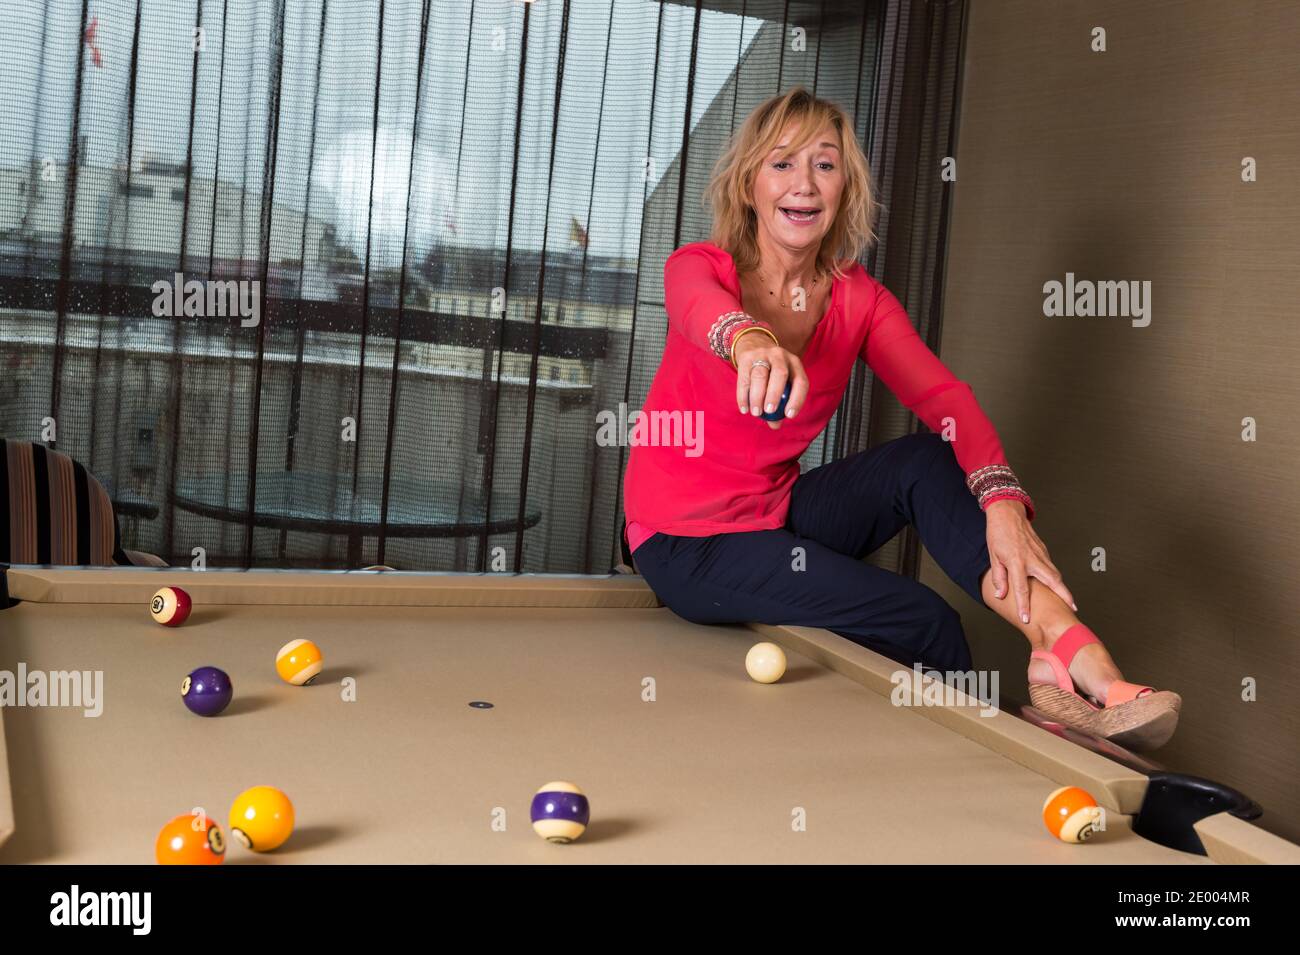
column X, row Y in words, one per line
column 480, row 704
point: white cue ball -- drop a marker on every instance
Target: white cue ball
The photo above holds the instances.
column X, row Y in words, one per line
column 765, row 662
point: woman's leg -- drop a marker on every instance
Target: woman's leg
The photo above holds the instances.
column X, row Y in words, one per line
column 780, row 578
column 856, row 504
column 1092, row 668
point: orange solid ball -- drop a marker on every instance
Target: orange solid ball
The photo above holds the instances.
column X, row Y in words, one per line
column 1072, row 815
column 190, row 840
column 261, row 818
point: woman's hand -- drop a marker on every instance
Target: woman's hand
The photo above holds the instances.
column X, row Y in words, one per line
column 759, row 386
column 1017, row 551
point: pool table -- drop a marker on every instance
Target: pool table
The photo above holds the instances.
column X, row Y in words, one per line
column 684, row 758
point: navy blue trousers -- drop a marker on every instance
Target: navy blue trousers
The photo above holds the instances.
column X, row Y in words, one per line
column 810, row 573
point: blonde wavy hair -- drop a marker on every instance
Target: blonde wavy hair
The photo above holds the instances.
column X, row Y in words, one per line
column 735, row 224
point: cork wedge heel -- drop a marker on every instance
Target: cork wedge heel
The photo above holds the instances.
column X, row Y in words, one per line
column 1134, row 716
column 1145, row 723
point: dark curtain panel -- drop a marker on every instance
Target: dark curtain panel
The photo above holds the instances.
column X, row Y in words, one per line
column 332, row 284
column 915, row 132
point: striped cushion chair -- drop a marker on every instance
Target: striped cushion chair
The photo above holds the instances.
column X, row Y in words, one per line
column 53, row 511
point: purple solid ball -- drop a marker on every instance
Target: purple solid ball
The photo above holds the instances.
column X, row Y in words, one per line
column 207, row 691
column 779, row 413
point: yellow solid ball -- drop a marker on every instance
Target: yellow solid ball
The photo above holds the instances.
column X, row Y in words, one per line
column 765, row 662
column 261, row 818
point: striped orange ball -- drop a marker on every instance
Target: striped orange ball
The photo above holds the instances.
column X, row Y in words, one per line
column 1071, row 814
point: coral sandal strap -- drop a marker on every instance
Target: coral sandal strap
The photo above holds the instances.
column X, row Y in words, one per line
column 1071, row 642
column 1063, row 681
column 1122, row 692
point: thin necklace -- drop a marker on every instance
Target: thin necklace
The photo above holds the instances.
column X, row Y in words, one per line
column 816, row 279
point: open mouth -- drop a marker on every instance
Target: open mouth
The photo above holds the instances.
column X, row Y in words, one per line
column 800, row 214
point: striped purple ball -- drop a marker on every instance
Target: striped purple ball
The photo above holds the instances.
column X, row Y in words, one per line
column 560, row 812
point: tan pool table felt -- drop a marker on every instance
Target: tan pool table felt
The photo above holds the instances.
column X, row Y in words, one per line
column 712, row 770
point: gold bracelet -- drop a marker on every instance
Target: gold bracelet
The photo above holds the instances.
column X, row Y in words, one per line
column 744, row 331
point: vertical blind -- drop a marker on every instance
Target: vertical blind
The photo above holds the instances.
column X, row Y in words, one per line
column 334, row 284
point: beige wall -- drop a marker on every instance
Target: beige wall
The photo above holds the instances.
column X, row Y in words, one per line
column 1126, row 165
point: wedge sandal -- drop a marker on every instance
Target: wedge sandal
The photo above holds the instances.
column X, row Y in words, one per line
column 1134, row 716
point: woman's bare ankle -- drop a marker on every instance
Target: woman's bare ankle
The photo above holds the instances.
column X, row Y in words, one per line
column 1052, row 629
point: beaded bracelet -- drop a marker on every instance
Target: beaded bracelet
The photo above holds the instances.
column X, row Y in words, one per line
column 723, row 328
column 728, row 328
column 998, row 482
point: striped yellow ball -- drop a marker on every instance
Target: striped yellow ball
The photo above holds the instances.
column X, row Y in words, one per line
column 299, row 662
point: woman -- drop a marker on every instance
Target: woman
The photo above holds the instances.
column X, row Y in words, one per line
column 728, row 531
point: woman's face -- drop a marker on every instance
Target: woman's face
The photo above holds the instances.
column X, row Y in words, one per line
column 797, row 195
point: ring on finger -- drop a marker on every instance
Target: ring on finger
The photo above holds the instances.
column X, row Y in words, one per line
column 761, row 363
